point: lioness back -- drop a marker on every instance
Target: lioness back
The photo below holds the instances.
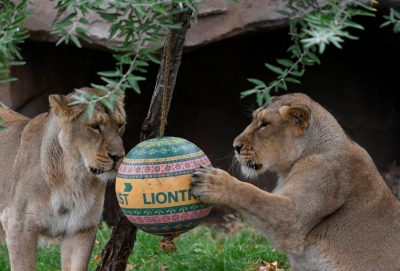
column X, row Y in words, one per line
column 10, row 140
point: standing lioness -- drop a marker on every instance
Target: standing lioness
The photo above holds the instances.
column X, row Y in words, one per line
column 53, row 174
column 331, row 210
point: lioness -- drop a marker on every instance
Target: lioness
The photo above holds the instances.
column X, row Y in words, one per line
column 53, row 174
column 330, row 210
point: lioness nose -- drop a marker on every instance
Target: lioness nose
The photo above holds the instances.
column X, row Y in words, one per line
column 115, row 157
column 238, row 148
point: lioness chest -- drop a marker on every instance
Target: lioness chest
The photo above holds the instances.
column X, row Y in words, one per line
column 72, row 210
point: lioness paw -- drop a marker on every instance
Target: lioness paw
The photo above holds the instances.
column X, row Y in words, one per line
column 211, row 185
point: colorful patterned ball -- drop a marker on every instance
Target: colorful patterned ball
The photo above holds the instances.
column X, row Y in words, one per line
column 153, row 186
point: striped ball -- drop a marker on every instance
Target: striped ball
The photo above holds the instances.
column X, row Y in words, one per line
column 153, row 186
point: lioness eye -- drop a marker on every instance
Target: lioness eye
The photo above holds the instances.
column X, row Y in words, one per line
column 95, row 127
column 120, row 125
column 264, row 124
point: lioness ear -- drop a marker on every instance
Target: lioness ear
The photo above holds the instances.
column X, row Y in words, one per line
column 59, row 105
column 298, row 114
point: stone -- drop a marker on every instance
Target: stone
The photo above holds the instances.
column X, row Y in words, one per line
column 216, row 20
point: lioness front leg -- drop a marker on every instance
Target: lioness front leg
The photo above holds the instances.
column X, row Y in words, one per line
column 76, row 250
column 275, row 215
column 212, row 185
column 21, row 238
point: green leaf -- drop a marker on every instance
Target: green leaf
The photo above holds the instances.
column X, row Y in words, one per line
column 267, row 97
column 385, row 24
column 284, row 13
column 107, row 104
column 335, row 41
column 62, row 23
column 141, row 63
column 274, row 68
column 15, row 63
column 285, row 62
column 290, row 79
column 2, row 128
column 76, row 41
column 4, row 70
column 353, row 24
column 396, row 28
column 321, row 47
column 7, row 79
column 108, row 80
column 282, row 85
column 134, row 84
column 110, row 73
column 313, row 57
column 395, row 13
column 260, row 99
column 90, row 110
column 59, row 31
column 138, row 78
column 360, row 12
column 111, row 17
column 19, row 20
column 153, row 58
column 76, row 102
column 256, row 82
column 366, row 6
column 84, row 21
column 83, row 34
column 99, row 87
column 297, row 73
column 113, row 30
column 65, row 22
column 65, row 38
column 247, row 93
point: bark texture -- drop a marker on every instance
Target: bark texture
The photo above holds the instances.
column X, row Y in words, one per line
column 123, row 237
column 151, row 124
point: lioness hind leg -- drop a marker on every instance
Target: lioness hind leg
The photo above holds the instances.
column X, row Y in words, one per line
column 76, row 250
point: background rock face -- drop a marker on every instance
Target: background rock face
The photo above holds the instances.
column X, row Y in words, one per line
column 358, row 85
column 216, row 20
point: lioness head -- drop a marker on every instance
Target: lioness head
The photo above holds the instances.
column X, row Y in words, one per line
column 95, row 142
column 275, row 138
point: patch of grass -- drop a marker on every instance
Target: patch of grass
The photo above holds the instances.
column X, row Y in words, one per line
column 202, row 249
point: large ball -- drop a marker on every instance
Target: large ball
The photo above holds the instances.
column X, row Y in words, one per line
column 153, row 186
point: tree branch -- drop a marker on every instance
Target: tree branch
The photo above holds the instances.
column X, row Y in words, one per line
column 116, row 253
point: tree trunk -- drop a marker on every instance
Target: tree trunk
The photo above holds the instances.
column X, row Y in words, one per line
column 119, row 247
column 150, row 126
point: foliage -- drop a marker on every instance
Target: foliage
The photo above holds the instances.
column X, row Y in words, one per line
column 140, row 26
column 204, row 248
column 312, row 28
column 11, row 34
column 393, row 18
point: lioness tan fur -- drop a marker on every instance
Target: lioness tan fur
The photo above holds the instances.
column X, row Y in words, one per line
column 330, row 210
column 53, row 174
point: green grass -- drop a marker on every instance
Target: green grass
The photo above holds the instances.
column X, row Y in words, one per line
column 203, row 248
